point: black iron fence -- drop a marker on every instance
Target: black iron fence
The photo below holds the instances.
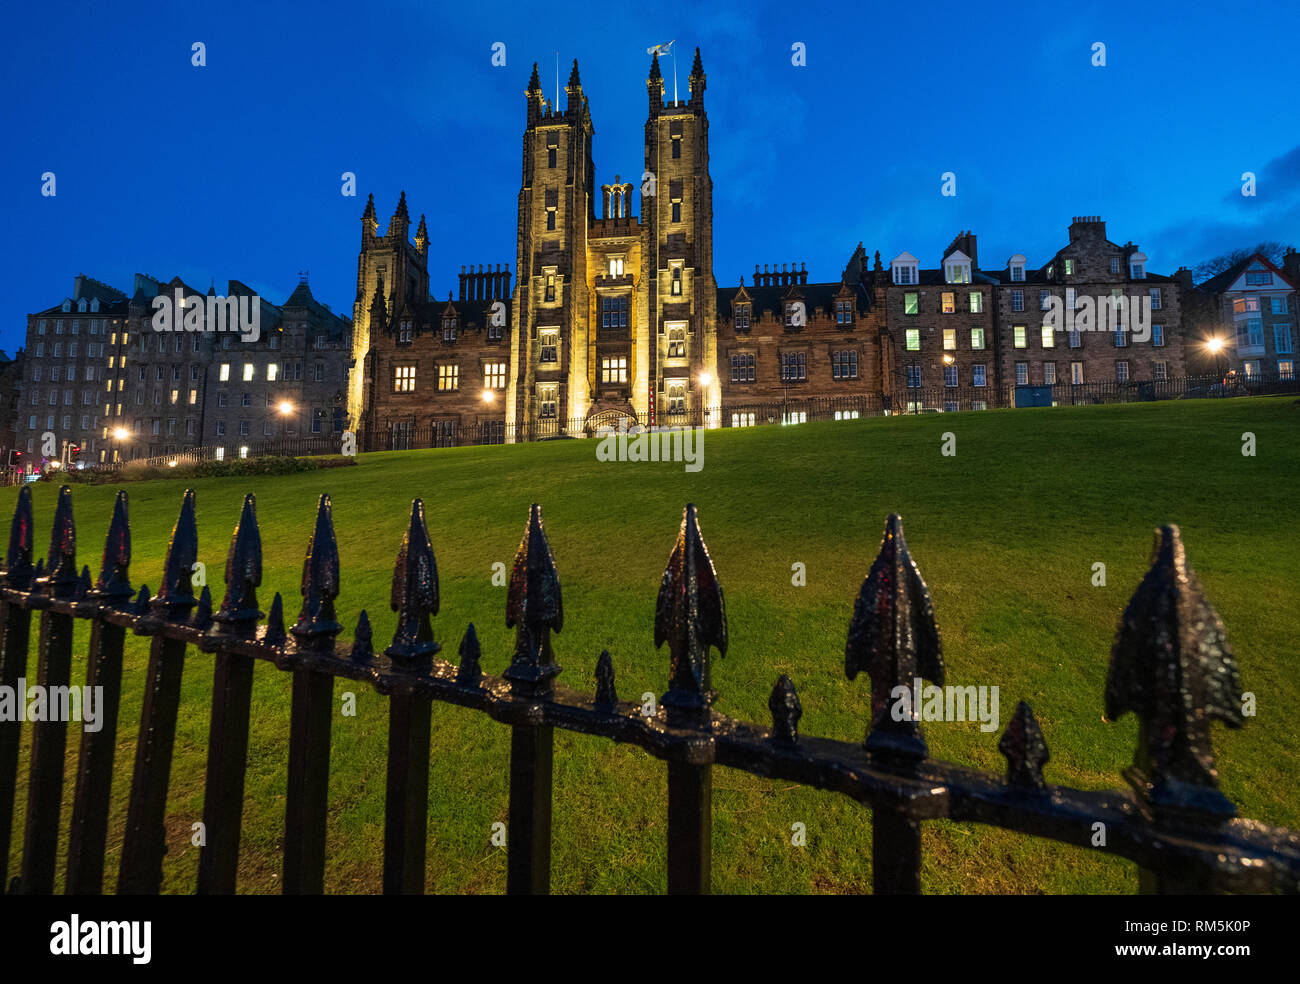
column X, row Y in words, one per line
column 1170, row 665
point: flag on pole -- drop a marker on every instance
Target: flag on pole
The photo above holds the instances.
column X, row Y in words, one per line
column 666, row 49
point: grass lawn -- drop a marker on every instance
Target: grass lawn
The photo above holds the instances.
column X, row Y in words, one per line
column 1005, row 532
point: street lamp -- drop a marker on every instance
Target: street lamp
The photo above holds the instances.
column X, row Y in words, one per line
column 1214, row 345
column 488, row 396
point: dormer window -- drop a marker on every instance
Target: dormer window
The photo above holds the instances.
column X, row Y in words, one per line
column 1051, row 268
column 449, row 328
column 94, row 304
column 1017, row 273
column 742, row 316
column 957, row 268
column 844, row 313
column 904, row 269
column 1258, row 277
column 81, row 305
column 1016, row 268
column 616, row 266
column 1137, row 266
column 67, row 304
column 1114, row 264
column 1069, row 267
column 404, row 331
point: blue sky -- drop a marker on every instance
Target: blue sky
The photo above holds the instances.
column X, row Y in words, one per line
column 233, row 170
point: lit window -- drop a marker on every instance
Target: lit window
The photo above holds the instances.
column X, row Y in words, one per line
column 911, row 303
column 272, row 372
column 1048, row 337
column 547, row 397
column 976, row 303
column 977, row 338
column 949, row 302
column 949, row 339
column 914, row 339
column 448, row 377
column 248, row 371
column 613, row 370
column 404, row 379
column 549, row 344
column 676, row 343
column 1019, row 331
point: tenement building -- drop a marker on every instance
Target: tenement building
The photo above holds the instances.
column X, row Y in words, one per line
column 63, row 372
column 941, row 330
column 1115, row 343
column 229, row 390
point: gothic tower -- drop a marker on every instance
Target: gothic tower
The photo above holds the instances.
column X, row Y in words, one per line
column 394, row 270
column 548, row 351
column 677, row 223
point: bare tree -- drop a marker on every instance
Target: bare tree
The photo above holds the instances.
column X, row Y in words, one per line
column 1270, row 250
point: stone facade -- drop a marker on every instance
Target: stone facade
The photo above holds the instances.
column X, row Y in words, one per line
column 1089, row 266
column 172, row 390
column 63, row 378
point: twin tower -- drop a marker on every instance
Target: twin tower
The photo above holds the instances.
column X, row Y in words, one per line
column 612, row 313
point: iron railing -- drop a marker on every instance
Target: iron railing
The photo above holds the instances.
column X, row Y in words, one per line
column 1170, row 665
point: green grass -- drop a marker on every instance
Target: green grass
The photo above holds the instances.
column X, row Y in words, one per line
column 1005, row 533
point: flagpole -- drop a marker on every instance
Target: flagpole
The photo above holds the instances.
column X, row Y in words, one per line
column 557, row 82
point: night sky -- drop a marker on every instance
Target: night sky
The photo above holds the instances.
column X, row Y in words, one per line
column 233, row 170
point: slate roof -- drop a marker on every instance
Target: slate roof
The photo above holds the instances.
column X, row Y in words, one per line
column 773, row 299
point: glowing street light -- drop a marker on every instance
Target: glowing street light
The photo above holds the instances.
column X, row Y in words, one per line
column 286, row 407
column 1214, row 345
column 488, row 396
column 121, row 433
column 706, row 378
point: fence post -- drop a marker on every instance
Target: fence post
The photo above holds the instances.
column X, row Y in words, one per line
column 49, row 741
column 1171, row 665
column 16, row 624
column 690, row 615
column 415, row 599
column 88, row 835
column 307, row 796
column 232, row 690
column 534, row 609
column 893, row 637
column 145, row 840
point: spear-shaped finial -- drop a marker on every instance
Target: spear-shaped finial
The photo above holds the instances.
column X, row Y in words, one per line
column 606, row 695
column 141, row 603
column 82, row 591
column 363, row 650
column 114, row 583
column 786, row 710
column 469, row 672
column 893, row 637
column 202, row 617
column 317, row 625
column 415, row 591
column 1172, row 666
column 61, row 578
column 691, row 616
column 275, row 634
column 533, row 608
column 239, row 614
column 1025, row 750
column 177, row 589
column 18, row 560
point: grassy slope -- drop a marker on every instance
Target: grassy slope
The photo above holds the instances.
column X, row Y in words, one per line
column 1006, row 533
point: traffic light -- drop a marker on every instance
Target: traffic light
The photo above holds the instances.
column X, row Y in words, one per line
column 74, row 452
column 16, row 459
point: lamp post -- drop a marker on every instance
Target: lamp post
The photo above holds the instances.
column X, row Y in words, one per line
column 947, row 361
column 1214, row 345
column 914, row 383
column 706, row 379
